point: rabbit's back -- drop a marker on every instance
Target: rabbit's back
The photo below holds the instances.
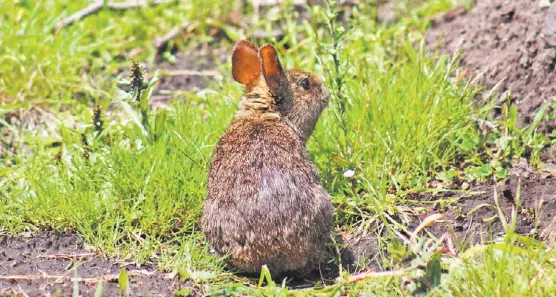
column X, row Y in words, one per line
column 264, row 202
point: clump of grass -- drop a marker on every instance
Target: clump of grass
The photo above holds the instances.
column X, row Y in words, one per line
column 407, row 119
column 501, row 270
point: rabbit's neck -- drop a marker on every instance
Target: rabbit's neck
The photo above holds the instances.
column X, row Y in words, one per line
column 257, row 100
column 256, row 104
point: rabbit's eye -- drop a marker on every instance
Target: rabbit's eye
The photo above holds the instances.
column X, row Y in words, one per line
column 305, row 83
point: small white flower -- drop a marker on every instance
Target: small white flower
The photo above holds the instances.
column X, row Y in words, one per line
column 349, row 173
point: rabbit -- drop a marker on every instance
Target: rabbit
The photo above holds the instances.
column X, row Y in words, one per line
column 264, row 204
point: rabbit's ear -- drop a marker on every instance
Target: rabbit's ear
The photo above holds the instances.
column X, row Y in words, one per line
column 246, row 67
column 272, row 69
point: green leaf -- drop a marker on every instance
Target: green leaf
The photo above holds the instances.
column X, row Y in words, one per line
column 486, row 170
column 501, row 173
column 434, row 270
column 202, row 275
column 538, row 118
column 265, row 276
column 183, row 292
column 182, row 272
column 123, row 281
column 134, row 116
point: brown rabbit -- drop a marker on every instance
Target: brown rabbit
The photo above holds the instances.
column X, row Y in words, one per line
column 264, row 203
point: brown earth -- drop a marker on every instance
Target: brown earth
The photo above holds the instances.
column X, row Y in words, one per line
column 473, row 221
column 192, row 71
column 196, row 62
column 42, row 265
column 510, row 41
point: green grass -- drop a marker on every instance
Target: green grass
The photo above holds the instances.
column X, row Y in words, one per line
column 500, row 270
column 39, row 64
column 397, row 118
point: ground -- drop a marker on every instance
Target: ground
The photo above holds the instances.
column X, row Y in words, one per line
column 509, row 44
column 198, row 60
column 53, row 241
column 58, row 256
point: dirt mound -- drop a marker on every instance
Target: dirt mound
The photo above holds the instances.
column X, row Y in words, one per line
column 43, row 266
column 513, row 41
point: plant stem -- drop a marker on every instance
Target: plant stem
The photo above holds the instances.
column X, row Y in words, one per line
column 338, row 78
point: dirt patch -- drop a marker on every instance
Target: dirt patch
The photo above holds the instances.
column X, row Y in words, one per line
column 193, row 65
column 513, row 41
column 42, row 265
column 475, row 219
column 190, row 71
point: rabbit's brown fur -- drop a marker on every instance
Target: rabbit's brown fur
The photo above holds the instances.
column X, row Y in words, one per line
column 264, row 203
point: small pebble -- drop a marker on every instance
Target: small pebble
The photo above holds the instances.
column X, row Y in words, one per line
column 349, row 173
column 465, row 186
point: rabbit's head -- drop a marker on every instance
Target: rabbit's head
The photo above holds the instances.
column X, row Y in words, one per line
column 296, row 96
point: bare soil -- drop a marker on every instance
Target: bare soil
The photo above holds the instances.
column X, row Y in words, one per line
column 510, row 41
column 192, row 71
column 43, row 265
column 475, row 219
column 198, row 60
